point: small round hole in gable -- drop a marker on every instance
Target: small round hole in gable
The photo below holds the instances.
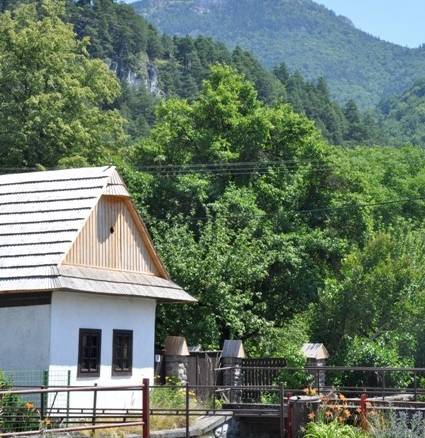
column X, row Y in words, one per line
column 112, row 230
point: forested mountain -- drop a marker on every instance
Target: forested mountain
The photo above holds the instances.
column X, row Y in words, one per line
column 152, row 66
column 305, row 35
column 404, row 116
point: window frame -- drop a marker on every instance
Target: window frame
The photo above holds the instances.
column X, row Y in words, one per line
column 83, row 332
column 116, row 371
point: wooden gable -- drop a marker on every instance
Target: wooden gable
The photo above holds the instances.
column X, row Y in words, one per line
column 115, row 238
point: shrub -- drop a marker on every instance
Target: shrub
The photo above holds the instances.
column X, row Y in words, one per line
column 333, row 430
column 285, row 342
column 379, row 352
column 398, row 425
column 16, row 415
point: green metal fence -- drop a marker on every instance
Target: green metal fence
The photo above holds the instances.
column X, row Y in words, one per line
column 26, row 379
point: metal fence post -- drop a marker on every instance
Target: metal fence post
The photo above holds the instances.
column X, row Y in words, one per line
column 383, row 385
column 43, row 399
column 93, row 420
column 290, row 416
column 415, row 381
column 187, row 411
column 282, row 410
column 68, row 396
column 145, row 408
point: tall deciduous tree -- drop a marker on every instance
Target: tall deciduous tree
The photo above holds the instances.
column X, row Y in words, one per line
column 53, row 98
column 230, row 239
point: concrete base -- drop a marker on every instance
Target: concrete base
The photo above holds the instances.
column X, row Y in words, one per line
column 204, row 427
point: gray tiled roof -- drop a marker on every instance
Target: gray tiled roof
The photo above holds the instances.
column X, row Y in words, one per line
column 315, row 351
column 41, row 214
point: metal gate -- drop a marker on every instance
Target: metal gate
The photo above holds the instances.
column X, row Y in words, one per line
column 259, row 373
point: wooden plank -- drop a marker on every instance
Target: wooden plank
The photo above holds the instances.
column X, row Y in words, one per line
column 52, row 186
column 15, row 199
column 111, row 239
column 48, row 206
column 42, row 227
column 29, row 260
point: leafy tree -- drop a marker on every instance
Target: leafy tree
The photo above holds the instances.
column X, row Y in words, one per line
column 372, row 315
column 52, row 95
column 229, row 239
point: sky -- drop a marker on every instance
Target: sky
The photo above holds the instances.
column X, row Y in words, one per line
column 398, row 21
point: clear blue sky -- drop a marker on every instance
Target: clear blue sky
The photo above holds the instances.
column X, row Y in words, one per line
column 398, row 21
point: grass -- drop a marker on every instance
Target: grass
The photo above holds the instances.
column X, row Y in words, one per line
column 171, row 397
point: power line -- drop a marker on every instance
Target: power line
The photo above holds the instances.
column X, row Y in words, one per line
column 197, row 166
column 345, row 207
column 227, row 164
column 229, row 167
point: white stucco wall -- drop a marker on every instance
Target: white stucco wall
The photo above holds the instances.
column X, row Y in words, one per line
column 25, row 339
column 71, row 311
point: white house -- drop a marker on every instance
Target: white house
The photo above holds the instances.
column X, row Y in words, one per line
column 79, row 282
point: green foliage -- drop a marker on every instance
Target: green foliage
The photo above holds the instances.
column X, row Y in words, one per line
column 379, row 286
column 285, row 342
column 404, row 116
column 52, row 95
column 15, row 414
column 172, row 396
column 151, row 66
column 398, row 425
column 333, row 430
column 339, row 125
column 232, row 249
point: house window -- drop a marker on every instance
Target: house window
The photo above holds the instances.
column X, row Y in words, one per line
column 122, row 352
column 89, row 353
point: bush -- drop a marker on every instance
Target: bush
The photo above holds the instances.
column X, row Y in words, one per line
column 285, row 342
column 16, row 415
column 399, row 425
column 333, row 430
column 380, row 352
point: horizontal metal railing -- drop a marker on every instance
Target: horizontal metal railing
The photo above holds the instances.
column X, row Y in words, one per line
column 81, row 419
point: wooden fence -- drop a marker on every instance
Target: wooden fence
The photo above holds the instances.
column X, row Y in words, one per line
column 201, row 372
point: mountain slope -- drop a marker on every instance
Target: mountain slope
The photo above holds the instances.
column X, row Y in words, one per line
column 306, row 36
column 404, row 116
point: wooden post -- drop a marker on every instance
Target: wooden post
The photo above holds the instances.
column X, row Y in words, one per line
column 363, row 411
column 145, row 408
column 282, row 411
column 187, row 411
column 318, row 381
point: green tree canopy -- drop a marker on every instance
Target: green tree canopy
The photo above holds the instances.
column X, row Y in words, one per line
column 53, row 98
column 230, row 236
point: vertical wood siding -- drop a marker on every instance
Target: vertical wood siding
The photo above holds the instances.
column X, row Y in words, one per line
column 111, row 239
